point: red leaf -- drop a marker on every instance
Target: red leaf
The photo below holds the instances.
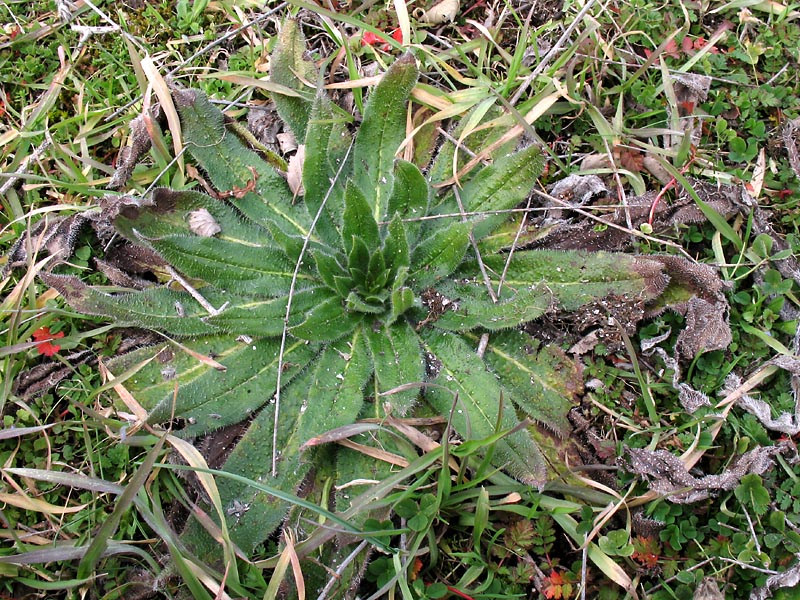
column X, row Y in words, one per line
column 631, row 159
column 701, row 42
column 671, row 49
column 553, row 587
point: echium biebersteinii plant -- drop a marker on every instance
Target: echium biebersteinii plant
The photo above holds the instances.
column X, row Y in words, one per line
column 351, row 300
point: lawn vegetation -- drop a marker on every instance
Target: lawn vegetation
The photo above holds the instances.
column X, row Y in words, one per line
column 424, row 300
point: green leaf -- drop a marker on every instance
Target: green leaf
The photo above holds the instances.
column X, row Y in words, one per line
column 328, row 267
column 207, row 398
column 397, row 357
column 358, row 261
column 380, row 135
column 343, row 285
column 233, row 168
column 327, row 395
column 469, row 306
column 542, row 382
column 353, row 302
column 377, row 273
column 752, row 494
column 188, row 213
column 240, row 258
column 440, row 254
column 401, row 298
column 290, row 68
column 162, row 309
column 258, row 317
column 479, row 408
column 501, row 186
column 395, row 246
column 576, row 277
column 359, row 221
column 327, row 143
column 409, row 197
column 326, row 322
column 616, row 543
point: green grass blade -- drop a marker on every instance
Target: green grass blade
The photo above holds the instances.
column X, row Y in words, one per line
column 109, row 526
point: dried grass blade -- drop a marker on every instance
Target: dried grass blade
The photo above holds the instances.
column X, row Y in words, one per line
column 161, row 89
column 37, row 505
column 392, row 459
column 195, row 460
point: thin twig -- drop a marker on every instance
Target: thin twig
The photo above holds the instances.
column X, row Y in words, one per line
column 195, row 294
column 474, row 244
column 552, row 53
column 337, row 575
column 584, row 569
column 513, row 246
column 306, row 240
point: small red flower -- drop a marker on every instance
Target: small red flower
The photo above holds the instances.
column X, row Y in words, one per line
column 42, row 337
column 370, row 39
column 373, row 39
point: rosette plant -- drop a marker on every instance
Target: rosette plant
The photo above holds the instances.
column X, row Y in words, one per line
column 372, row 291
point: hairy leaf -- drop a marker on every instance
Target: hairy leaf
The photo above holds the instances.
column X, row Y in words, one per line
column 439, row 255
column 409, row 197
column 327, row 145
column 328, row 395
column 395, row 246
column 290, row 68
column 397, row 357
column 156, row 308
column 326, row 322
column 468, row 305
column 575, row 278
column 479, row 408
column 207, row 398
column 381, row 133
column 501, row 186
column 541, row 381
column 358, row 219
column 259, row 191
column 258, row 317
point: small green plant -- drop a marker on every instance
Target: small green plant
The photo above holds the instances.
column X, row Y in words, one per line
column 303, row 315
